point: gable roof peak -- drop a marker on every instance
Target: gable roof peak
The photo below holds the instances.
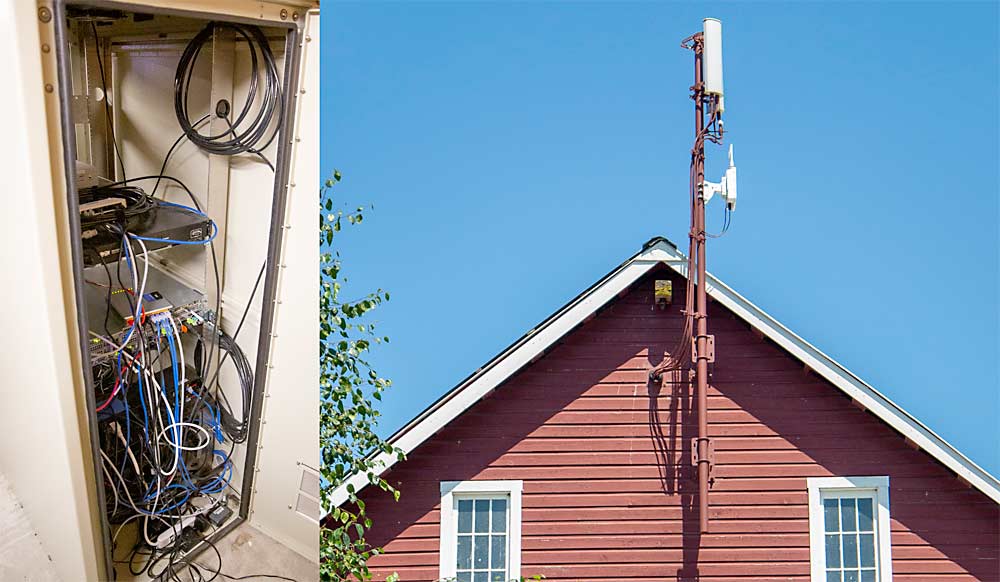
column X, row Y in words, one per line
column 655, row 252
column 658, row 240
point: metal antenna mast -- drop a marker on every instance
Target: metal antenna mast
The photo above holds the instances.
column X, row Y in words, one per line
column 706, row 91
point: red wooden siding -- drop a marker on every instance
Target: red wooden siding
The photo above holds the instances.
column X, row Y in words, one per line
column 609, row 492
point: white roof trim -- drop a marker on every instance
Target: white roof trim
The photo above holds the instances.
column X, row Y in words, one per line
column 536, row 342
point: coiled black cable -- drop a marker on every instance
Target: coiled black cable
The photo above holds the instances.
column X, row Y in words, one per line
column 238, row 429
column 263, row 106
column 138, row 205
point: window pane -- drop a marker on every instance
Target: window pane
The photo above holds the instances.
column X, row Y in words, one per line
column 848, row 517
column 481, row 577
column 499, row 520
column 481, row 552
column 465, row 577
column 850, row 551
column 868, row 550
column 498, row 552
column 482, row 515
column 465, row 516
column 464, row 552
column 833, row 577
column 851, row 576
column 832, row 551
column 865, row 522
column 498, row 576
column 868, row 576
column 830, row 515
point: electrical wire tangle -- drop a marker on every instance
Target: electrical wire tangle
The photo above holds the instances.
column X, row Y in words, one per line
column 168, row 431
column 160, row 473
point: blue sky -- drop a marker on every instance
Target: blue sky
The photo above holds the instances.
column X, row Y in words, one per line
column 515, row 153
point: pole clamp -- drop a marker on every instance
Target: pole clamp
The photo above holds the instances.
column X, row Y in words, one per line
column 709, row 457
column 709, row 354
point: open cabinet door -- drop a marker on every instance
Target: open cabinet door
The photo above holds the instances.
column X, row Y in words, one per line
column 286, row 488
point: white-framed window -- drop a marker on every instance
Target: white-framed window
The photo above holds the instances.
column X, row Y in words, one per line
column 481, row 530
column 849, row 529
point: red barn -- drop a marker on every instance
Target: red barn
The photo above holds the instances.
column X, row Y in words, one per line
column 560, row 457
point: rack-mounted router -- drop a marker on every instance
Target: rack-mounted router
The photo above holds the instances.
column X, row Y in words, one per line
column 163, row 291
column 164, row 221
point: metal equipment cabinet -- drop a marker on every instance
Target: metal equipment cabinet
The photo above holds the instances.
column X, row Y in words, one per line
column 58, row 118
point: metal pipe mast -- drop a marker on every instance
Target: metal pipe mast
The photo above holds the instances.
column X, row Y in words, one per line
column 695, row 340
column 701, row 315
column 703, row 350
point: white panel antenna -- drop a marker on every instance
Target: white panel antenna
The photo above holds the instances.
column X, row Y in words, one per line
column 711, row 67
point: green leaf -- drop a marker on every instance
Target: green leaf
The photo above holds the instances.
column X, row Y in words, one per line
column 349, row 392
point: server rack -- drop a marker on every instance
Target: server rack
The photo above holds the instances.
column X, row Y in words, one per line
column 93, row 152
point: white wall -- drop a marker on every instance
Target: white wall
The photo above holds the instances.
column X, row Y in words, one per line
column 41, row 433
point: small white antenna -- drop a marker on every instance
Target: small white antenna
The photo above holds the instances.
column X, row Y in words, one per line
column 730, row 181
column 726, row 187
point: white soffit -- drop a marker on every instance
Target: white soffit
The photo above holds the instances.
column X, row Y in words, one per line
column 657, row 251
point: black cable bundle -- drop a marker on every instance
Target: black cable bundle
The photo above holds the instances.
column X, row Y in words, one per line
column 238, row 429
column 137, row 209
column 248, row 129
